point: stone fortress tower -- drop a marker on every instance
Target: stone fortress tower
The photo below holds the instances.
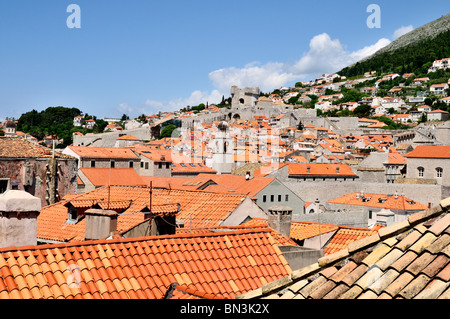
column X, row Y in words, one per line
column 244, row 98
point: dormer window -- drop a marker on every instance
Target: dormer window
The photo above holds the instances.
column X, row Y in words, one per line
column 72, row 217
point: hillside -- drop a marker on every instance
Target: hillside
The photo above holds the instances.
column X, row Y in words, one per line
column 413, row 52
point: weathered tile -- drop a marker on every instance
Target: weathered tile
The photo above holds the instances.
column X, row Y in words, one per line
column 384, row 281
column 359, row 256
column 370, row 276
column 445, row 294
column 398, row 284
column 376, row 255
column 389, row 258
column 298, row 285
column 368, row 295
column 433, row 290
column 404, row 261
column 414, row 287
column 409, row 240
column 336, row 292
column 323, row 290
column 311, row 287
column 436, row 265
column 393, row 229
column 352, row 293
column 444, row 274
column 328, row 259
column 426, row 240
column 440, row 225
column 363, row 243
column 328, row 272
column 344, row 271
column 420, row 263
column 384, row 296
column 305, row 271
column 421, row 216
column 445, row 203
column 355, row 275
column 275, row 285
column 439, row 244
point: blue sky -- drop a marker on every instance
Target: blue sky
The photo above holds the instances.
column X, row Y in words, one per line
column 145, row 56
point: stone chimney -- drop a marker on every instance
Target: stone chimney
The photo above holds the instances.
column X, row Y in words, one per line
column 280, row 218
column 18, row 218
column 100, row 223
column 385, row 217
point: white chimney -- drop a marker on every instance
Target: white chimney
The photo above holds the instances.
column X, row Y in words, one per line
column 18, row 218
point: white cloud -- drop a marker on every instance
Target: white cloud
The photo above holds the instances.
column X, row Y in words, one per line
column 325, row 55
column 267, row 76
column 369, row 50
column 401, row 31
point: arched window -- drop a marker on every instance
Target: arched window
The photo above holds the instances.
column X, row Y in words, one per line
column 439, row 172
column 241, row 101
column 420, row 171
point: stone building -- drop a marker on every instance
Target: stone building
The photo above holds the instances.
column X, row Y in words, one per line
column 36, row 169
column 429, row 163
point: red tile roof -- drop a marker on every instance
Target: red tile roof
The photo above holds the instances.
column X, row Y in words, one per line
column 379, row 201
column 103, row 152
column 198, row 209
column 222, row 265
column 319, row 169
column 112, row 176
column 238, row 183
column 429, row 151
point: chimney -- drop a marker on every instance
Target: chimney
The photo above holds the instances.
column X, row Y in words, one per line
column 280, row 218
column 18, row 218
column 308, row 169
column 337, row 169
column 100, row 223
column 247, row 176
column 385, row 217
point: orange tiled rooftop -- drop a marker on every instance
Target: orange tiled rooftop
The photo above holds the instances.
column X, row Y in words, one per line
column 219, row 265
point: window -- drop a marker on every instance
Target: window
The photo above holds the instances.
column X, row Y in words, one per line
column 4, row 185
column 146, row 165
column 286, row 198
column 420, row 171
column 159, row 165
column 142, row 164
column 439, row 172
column 279, row 198
column 370, row 214
column 92, row 163
column 72, row 217
column 113, row 164
column 167, row 165
column 131, row 164
column 272, row 198
column 264, row 198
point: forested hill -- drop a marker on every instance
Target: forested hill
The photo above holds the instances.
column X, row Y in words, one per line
column 54, row 121
column 414, row 52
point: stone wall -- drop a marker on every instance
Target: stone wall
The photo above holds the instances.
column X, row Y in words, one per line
column 32, row 175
